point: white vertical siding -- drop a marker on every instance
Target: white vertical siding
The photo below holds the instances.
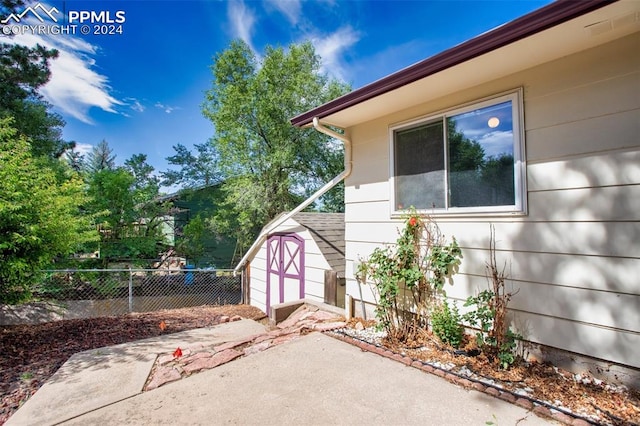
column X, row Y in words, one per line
column 258, row 279
column 575, row 257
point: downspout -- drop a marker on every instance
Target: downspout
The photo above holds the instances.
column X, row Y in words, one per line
column 320, row 127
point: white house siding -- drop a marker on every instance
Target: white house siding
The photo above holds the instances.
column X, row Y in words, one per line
column 315, row 265
column 575, row 258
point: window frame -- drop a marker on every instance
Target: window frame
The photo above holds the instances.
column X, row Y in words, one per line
column 519, row 159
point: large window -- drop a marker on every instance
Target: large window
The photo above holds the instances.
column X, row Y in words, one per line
column 466, row 160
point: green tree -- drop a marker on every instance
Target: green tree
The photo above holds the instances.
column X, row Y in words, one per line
column 465, row 155
column 23, row 70
column 146, row 185
column 148, row 208
column 100, row 158
column 195, row 170
column 122, row 234
column 125, row 201
column 40, row 217
column 75, row 160
column 497, row 174
column 192, row 242
column 268, row 166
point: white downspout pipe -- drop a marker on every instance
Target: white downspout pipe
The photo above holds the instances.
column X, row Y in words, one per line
column 336, row 180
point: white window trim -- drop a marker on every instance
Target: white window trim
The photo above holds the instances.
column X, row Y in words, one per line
column 519, row 159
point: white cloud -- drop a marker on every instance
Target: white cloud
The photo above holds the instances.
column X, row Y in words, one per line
column 389, row 60
column 291, row 9
column 496, row 143
column 242, row 21
column 331, row 49
column 74, row 87
column 135, row 104
column 166, row 108
column 83, row 148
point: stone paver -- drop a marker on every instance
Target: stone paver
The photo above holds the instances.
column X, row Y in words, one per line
column 320, row 316
column 192, row 358
column 285, row 338
column 211, row 361
column 235, row 343
column 297, row 316
column 162, row 376
column 258, row 347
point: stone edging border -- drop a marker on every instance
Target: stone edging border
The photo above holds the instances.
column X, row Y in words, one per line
column 540, row 408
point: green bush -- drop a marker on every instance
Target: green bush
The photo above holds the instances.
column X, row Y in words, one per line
column 446, row 324
column 500, row 345
column 406, row 277
column 40, row 215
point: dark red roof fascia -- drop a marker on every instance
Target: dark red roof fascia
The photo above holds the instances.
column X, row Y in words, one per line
column 532, row 23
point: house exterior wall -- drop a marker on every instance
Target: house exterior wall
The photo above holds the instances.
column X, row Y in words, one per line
column 315, row 265
column 574, row 258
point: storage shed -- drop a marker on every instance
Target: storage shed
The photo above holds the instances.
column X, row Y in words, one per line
column 301, row 258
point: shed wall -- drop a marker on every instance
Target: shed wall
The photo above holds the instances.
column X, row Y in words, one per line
column 575, row 257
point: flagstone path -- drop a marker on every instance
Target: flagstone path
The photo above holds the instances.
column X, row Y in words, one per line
column 183, row 362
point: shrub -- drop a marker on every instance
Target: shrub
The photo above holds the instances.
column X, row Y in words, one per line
column 446, row 324
column 420, row 262
column 494, row 336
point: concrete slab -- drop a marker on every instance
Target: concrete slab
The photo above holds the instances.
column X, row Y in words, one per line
column 313, row 380
column 93, row 379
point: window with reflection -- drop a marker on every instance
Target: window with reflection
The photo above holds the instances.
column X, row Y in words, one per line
column 467, row 159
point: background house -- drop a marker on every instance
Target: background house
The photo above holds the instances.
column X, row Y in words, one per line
column 301, row 258
column 185, row 206
column 553, row 100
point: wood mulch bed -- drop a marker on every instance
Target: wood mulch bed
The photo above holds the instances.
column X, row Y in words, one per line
column 32, row 353
column 588, row 398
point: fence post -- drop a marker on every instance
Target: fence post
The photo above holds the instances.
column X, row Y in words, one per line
column 130, row 290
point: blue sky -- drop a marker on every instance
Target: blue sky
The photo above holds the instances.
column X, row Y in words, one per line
column 142, row 90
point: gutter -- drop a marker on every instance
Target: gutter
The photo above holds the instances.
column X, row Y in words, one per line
column 322, row 128
column 554, row 14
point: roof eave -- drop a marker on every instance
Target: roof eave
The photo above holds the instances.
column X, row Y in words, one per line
column 537, row 21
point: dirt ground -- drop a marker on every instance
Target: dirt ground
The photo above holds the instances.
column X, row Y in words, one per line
column 32, row 353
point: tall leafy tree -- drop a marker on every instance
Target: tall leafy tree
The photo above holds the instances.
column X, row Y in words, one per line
column 196, row 169
column 40, row 217
column 477, row 179
column 124, row 200
column 122, row 235
column 268, row 166
column 191, row 243
column 146, row 186
column 23, row 70
column 149, row 209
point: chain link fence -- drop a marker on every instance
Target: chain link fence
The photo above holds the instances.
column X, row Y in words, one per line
column 84, row 293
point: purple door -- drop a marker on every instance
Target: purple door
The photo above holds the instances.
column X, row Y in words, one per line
column 285, row 269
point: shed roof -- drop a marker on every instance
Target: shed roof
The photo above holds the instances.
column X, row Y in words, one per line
column 327, row 230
